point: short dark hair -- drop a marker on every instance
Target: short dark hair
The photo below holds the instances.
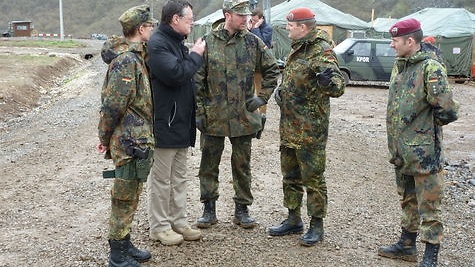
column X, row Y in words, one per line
column 257, row 12
column 310, row 23
column 173, row 7
column 417, row 35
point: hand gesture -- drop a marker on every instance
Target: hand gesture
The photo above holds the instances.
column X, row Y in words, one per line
column 199, row 46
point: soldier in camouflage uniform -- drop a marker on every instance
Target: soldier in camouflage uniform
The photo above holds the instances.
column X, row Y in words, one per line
column 227, row 106
column 125, row 129
column 419, row 103
column 311, row 77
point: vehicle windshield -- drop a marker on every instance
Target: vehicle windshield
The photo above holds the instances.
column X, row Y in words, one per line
column 343, row 46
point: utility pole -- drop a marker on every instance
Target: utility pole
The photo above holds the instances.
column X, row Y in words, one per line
column 266, row 7
column 61, row 29
column 151, row 6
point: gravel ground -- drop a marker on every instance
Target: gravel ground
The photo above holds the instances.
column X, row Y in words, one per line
column 55, row 203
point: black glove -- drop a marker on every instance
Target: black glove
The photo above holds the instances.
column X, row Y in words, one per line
column 200, row 124
column 253, row 103
column 263, row 121
column 324, row 78
column 277, row 98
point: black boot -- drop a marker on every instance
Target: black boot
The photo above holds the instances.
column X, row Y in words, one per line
column 209, row 215
column 292, row 225
column 404, row 249
column 242, row 218
column 139, row 255
column 119, row 256
column 430, row 255
column 314, row 233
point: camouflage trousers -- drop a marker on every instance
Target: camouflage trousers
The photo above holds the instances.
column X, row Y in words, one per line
column 124, row 202
column 303, row 169
column 211, row 152
column 421, row 197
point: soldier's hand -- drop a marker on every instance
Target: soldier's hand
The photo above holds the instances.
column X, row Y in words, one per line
column 253, row 103
column 277, row 98
column 101, row 148
column 324, row 77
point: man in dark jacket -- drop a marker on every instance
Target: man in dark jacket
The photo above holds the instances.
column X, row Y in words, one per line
column 172, row 68
column 259, row 27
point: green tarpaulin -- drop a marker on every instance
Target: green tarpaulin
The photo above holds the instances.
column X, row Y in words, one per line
column 454, row 30
column 340, row 23
column 335, row 22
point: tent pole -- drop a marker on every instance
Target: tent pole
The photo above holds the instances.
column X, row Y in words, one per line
column 266, row 8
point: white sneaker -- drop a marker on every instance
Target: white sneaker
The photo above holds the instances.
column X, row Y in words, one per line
column 188, row 233
column 168, row 238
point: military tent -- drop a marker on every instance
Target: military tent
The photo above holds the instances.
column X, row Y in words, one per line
column 454, row 30
column 380, row 27
column 338, row 24
column 203, row 25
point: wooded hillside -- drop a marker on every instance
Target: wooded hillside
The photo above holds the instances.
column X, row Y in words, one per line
column 82, row 18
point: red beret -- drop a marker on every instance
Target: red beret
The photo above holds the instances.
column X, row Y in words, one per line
column 300, row 14
column 429, row 39
column 404, row 27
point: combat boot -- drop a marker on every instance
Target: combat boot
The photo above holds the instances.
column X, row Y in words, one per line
column 292, row 225
column 404, row 249
column 430, row 255
column 140, row 255
column 119, row 255
column 314, row 233
column 209, row 215
column 242, row 218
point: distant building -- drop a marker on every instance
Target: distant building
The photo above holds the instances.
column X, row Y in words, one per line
column 19, row 28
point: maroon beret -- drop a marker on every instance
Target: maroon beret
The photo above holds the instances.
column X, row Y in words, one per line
column 404, row 27
column 300, row 14
column 429, row 39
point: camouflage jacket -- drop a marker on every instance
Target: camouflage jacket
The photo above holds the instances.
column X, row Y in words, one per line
column 305, row 109
column 419, row 103
column 126, row 111
column 225, row 81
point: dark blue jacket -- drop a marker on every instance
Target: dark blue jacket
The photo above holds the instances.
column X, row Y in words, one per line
column 265, row 33
column 172, row 69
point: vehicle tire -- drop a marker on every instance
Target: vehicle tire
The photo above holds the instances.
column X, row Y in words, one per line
column 346, row 77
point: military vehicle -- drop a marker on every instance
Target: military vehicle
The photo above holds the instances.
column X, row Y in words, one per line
column 365, row 59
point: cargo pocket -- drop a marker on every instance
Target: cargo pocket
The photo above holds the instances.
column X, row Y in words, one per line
column 143, row 166
column 418, row 154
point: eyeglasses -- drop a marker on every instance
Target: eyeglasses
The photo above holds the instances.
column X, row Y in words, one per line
column 148, row 25
column 190, row 19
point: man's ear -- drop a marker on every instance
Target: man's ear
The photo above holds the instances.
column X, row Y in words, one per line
column 175, row 19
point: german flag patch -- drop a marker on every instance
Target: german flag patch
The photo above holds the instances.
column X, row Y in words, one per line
column 433, row 85
column 126, row 79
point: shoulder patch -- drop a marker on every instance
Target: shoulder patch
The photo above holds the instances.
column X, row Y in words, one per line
column 433, row 85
